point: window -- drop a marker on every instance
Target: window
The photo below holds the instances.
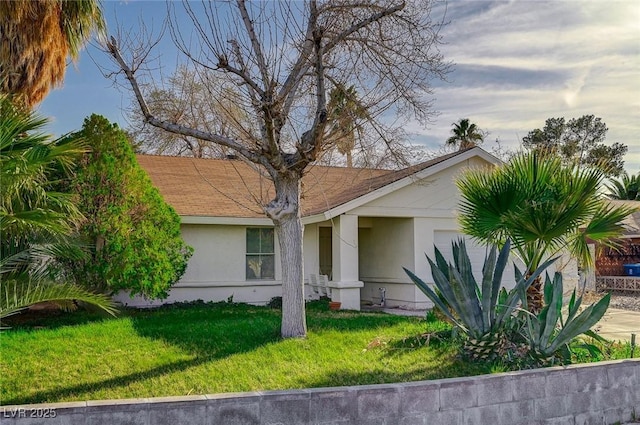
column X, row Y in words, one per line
column 260, row 254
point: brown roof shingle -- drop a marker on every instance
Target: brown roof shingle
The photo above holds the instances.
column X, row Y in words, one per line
column 233, row 188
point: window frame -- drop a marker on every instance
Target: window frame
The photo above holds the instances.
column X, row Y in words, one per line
column 257, row 272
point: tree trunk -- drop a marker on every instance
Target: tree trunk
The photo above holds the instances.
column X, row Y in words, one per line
column 284, row 210
column 535, row 296
column 349, row 159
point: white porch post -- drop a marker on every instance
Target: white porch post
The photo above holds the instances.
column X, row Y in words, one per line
column 345, row 285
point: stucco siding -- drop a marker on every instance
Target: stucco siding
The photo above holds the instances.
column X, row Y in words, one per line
column 219, row 253
column 435, row 196
column 217, row 269
column 310, row 250
column 388, row 243
column 386, row 246
column 394, row 230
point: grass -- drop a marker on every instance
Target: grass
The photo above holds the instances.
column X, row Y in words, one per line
column 212, row 348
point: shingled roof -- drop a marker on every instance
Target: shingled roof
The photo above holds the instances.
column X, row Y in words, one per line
column 233, row 188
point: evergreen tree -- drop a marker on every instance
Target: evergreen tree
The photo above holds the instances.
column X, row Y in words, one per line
column 134, row 235
column 36, row 221
column 578, row 141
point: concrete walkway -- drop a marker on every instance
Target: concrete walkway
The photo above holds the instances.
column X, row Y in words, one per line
column 619, row 325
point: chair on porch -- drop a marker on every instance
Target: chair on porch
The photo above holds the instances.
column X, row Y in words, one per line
column 320, row 285
column 313, row 284
column 323, row 282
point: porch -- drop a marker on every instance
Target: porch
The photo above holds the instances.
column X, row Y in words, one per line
column 364, row 256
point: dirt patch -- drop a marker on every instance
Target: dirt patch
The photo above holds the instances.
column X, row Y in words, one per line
column 624, row 301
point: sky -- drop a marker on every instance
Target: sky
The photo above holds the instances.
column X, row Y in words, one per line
column 517, row 63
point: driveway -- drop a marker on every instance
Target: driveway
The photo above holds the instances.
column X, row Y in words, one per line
column 619, row 325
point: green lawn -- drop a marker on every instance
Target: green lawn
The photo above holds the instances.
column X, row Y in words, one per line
column 212, row 348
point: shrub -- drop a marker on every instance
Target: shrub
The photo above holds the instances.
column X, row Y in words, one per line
column 496, row 323
column 134, row 235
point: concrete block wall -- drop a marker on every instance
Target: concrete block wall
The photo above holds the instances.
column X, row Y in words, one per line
column 597, row 393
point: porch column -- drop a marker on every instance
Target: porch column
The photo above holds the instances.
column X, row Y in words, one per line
column 345, row 286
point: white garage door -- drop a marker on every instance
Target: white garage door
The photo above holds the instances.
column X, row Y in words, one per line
column 476, row 252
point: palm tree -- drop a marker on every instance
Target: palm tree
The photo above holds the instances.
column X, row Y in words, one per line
column 35, row 221
column 36, row 37
column 543, row 206
column 344, row 110
column 465, row 135
column 627, row 188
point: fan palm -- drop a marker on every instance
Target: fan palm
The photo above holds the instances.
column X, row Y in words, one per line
column 543, row 206
column 36, row 36
column 35, row 220
column 627, row 188
column 465, row 135
column 345, row 109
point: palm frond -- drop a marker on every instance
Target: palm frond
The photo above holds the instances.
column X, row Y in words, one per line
column 541, row 204
column 16, row 295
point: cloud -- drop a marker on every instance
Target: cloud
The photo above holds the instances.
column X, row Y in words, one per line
column 521, row 62
column 503, row 77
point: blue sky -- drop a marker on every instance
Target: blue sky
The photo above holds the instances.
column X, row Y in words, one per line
column 517, row 64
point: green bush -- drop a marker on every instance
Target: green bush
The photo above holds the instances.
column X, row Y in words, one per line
column 134, row 235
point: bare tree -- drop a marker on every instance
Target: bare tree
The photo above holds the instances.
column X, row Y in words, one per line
column 191, row 98
column 283, row 58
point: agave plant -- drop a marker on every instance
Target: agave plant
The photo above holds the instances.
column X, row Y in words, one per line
column 481, row 312
column 549, row 333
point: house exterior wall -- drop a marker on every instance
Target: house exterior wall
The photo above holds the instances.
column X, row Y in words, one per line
column 396, row 230
column 217, row 270
column 310, row 251
column 435, row 196
column 393, row 231
column 610, row 262
column 386, row 245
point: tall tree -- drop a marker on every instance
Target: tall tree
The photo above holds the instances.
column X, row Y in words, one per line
column 579, row 141
column 36, row 37
column 465, row 135
column 36, row 222
column 192, row 99
column 345, row 110
column 627, row 187
column 284, row 57
column 543, row 206
column 134, row 235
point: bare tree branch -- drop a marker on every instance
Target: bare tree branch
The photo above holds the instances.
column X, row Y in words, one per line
column 255, row 43
column 172, row 126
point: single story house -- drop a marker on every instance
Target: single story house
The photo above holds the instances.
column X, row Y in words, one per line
column 361, row 227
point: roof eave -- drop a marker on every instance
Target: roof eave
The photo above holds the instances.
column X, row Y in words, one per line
column 399, row 184
column 235, row 221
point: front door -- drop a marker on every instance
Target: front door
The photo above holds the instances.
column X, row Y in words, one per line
column 325, row 250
